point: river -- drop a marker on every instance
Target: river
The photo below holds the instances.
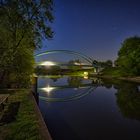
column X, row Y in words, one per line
column 78, row 108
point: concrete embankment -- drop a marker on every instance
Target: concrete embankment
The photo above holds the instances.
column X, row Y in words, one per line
column 42, row 126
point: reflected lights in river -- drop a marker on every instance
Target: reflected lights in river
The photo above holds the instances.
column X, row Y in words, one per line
column 85, row 75
column 48, row 89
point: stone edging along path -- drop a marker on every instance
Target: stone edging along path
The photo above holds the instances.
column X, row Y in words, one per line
column 42, row 126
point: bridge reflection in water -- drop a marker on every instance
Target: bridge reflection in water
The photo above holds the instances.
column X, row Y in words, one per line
column 87, row 87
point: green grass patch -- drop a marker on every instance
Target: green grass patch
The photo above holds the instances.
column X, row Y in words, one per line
column 20, row 122
column 79, row 73
column 111, row 72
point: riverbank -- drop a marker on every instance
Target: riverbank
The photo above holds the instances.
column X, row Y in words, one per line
column 132, row 79
column 21, row 119
column 115, row 73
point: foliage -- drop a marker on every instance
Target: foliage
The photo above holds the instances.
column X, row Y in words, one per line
column 25, row 126
column 42, row 70
column 27, row 16
column 129, row 57
column 128, row 100
column 111, row 72
column 127, row 97
column 23, row 24
column 105, row 64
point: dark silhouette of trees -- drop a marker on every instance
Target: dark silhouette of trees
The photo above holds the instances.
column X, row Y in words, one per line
column 128, row 100
column 105, row 64
column 129, row 56
column 23, row 25
column 74, row 81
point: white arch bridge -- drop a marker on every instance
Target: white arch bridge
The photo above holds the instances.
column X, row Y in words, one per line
column 92, row 63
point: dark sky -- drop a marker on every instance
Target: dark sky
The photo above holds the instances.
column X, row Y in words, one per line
column 94, row 27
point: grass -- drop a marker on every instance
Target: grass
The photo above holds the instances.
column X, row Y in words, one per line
column 79, row 73
column 112, row 72
column 19, row 119
column 115, row 73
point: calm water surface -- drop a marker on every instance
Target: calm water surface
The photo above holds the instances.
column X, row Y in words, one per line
column 75, row 108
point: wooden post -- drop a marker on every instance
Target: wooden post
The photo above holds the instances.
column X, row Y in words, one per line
column 34, row 87
column 34, row 83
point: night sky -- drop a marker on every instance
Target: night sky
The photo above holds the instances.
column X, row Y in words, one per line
column 94, row 27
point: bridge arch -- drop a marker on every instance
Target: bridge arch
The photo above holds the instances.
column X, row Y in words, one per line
column 87, row 58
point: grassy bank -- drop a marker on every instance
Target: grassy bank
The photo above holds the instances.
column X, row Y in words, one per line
column 18, row 120
column 111, row 72
column 115, row 73
column 61, row 72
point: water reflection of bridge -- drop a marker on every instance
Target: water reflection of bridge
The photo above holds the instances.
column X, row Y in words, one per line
column 88, row 88
column 70, row 98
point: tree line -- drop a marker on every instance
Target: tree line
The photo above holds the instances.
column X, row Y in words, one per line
column 23, row 25
column 128, row 60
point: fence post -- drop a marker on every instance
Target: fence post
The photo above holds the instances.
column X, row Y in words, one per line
column 34, row 86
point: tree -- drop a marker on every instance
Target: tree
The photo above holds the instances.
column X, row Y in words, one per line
column 105, row 64
column 129, row 56
column 23, row 24
column 108, row 64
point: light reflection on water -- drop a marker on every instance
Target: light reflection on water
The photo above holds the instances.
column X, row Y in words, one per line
column 72, row 83
column 47, row 89
column 90, row 109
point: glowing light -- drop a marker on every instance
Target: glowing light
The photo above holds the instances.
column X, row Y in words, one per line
column 48, row 63
column 48, row 89
column 85, row 73
column 85, row 77
column 95, row 70
column 77, row 63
